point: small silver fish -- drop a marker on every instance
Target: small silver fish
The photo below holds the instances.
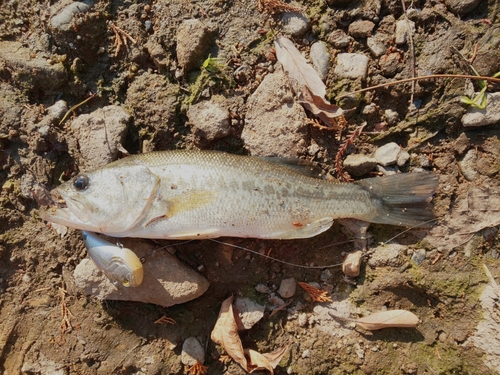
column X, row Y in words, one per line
column 119, row 264
column 209, row 194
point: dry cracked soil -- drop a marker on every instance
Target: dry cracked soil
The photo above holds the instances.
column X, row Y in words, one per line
column 83, row 83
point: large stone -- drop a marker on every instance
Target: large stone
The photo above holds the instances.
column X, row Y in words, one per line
column 193, row 41
column 167, row 281
column 210, row 118
column 275, row 123
column 100, row 134
column 31, row 70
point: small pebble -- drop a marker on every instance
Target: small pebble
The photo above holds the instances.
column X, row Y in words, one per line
column 418, row 256
column 295, row 24
column 320, row 58
column 287, row 287
column 339, row 39
column 306, row 353
column 402, row 31
column 302, row 319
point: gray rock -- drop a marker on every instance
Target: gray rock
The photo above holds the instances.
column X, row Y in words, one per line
column 392, row 117
column 387, row 154
column 62, row 20
column 320, row 58
column 358, row 164
column 377, row 48
column 418, row 256
column 487, row 116
column 287, row 288
column 210, row 118
column 167, row 281
column 351, row 65
column 386, row 255
column 402, row 33
column 339, row 39
column 275, row 123
column 294, row 23
column 262, row 288
column 361, row 29
column 403, row 157
column 462, row 7
column 468, row 165
column 193, row 42
column 192, row 352
column 250, row 312
column 31, row 70
column 100, row 134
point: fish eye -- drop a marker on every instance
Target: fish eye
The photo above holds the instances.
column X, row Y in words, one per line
column 81, row 182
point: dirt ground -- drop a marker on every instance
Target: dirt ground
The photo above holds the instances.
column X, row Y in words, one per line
column 126, row 53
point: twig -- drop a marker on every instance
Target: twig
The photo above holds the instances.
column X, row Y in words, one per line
column 75, row 107
column 434, row 76
column 412, row 51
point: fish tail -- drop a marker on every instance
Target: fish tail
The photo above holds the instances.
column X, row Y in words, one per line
column 403, row 199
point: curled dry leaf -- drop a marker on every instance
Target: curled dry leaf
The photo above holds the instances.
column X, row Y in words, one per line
column 225, row 333
column 307, row 83
column 387, row 319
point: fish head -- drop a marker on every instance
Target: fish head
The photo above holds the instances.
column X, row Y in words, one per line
column 108, row 200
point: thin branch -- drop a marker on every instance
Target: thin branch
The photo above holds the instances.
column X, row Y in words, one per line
column 434, row 76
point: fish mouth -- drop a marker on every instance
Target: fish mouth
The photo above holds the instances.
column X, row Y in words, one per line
column 62, row 211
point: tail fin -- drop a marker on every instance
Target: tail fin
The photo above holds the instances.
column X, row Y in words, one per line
column 405, row 199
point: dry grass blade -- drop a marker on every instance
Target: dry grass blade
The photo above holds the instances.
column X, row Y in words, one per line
column 316, row 294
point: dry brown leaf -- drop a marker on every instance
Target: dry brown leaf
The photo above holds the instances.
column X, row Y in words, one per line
column 307, row 83
column 225, row 333
column 319, row 106
column 387, row 319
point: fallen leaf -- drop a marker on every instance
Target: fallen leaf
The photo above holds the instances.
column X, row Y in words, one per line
column 307, row 83
column 319, row 106
column 387, row 319
column 225, row 333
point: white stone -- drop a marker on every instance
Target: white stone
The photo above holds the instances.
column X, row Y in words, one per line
column 387, row 154
column 377, row 48
column 351, row 65
column 402, row 31
column 250, row 312
column 487, row 116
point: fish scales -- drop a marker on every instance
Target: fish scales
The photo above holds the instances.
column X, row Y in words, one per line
column 208, row 194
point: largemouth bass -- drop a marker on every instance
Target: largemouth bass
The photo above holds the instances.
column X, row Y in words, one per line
column 209, row 194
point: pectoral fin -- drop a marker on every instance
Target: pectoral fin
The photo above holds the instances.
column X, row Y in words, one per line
column 304, row 231
column 188, row 201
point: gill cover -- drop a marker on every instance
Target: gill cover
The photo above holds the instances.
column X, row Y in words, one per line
column 115, row 198
column 119, row 264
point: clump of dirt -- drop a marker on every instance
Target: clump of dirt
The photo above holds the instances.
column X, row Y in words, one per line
column 73, row 58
